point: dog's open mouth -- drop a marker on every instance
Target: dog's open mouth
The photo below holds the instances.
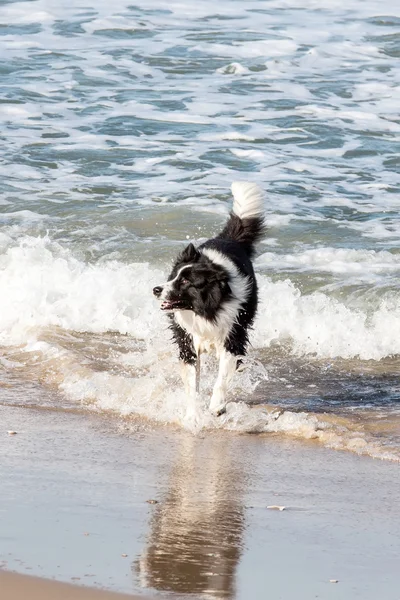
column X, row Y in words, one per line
column 173, row 305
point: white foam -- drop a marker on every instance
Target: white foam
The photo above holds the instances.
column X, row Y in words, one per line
column 334, row 260
column 47, row 286
column 23, row 13
column 322, row 326
column 23, row 215
column 252, row 154
column 155, row 392
column 233, row 69
column 265, row 48
column 358, row 118
column 277, row 221
column 381, row 228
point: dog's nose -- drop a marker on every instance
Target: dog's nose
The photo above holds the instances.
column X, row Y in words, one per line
column 157, row 291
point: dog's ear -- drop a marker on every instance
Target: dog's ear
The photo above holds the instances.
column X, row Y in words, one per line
column 189, row 254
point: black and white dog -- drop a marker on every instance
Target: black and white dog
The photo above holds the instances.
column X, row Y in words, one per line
column 211, row 296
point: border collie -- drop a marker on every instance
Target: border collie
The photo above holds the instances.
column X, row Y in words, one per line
column 211, row 297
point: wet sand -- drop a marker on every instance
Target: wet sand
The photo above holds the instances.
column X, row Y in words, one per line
column 22, row 587
column 75, row 507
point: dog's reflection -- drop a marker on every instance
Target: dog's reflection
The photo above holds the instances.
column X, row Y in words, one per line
column 195, row 537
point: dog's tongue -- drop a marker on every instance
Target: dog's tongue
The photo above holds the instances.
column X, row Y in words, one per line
column 166, row 305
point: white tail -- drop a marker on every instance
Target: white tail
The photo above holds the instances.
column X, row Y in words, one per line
column 247, row 200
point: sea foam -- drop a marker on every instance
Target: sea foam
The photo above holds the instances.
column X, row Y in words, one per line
column 47, row 286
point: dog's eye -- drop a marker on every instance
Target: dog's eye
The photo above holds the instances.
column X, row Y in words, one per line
column 183, row 280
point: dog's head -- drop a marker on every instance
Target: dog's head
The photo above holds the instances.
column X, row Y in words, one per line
column 195, row 283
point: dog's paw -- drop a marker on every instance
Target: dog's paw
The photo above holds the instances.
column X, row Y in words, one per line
column 193, row 418
column 218, row 410
column 217, row 405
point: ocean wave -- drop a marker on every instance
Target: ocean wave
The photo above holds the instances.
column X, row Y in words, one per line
column 48, row 287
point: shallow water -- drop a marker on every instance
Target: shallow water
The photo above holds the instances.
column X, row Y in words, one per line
column 123, row 127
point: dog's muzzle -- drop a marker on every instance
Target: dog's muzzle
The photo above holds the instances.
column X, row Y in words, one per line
column 157, row 291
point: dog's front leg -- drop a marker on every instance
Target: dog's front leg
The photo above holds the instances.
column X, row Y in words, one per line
column 189, row 369
column 189, row 373
column 227, row 368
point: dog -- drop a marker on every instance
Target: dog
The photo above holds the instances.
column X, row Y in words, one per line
column 211, row 297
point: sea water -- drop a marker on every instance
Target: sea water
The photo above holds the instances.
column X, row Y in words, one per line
column 123, row 125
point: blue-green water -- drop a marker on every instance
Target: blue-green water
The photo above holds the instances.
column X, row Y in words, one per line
column 122, row 128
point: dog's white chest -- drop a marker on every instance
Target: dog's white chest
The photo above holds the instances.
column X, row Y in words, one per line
column 206, row 334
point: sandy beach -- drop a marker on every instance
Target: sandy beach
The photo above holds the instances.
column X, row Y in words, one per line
column 119, row 505
column 19, row 587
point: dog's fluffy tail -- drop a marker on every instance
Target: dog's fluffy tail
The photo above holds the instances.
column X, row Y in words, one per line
column 246, row 222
